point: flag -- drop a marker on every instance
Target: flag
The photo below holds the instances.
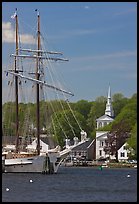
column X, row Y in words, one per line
column 13, row 16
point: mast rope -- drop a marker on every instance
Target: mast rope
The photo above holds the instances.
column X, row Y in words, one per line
column 66, row 117
column 57, row 119
column 65, row 100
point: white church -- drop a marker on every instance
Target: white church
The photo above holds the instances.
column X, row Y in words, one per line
column 101, row 136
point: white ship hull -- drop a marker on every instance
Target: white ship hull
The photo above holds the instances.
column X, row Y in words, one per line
column 33, row 164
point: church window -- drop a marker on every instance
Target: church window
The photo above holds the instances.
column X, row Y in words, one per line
column 100, row 124
column 105, row 123
column 101, row 143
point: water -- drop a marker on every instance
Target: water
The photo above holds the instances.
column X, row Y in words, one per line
column 72, row 184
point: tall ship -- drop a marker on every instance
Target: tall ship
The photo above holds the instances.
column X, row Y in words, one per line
column 28, row 74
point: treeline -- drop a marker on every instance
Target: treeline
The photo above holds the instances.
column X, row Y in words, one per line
column 63, row 119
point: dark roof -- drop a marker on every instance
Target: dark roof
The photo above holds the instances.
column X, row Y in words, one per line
column 83, row 146
column 48, row 140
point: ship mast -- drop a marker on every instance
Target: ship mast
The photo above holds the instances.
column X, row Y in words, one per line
column 37, row 88
column 39, row 57
column 16, row 89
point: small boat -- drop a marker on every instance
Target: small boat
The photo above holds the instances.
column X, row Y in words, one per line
column 36, row 156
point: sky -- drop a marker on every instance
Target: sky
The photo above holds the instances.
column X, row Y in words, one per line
column 98, row 38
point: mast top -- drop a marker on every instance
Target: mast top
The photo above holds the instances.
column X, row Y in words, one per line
column 37, row 12
column 15, row 12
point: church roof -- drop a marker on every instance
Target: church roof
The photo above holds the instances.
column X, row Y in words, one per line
column 105, row 117
column 102, row 134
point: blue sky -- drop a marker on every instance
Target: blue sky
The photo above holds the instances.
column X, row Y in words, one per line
column 98, row 38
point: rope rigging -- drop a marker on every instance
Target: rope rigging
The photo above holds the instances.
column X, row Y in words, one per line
column 46, row 77
column 51, row 72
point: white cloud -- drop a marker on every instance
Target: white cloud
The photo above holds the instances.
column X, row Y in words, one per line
column 132, row 10
column 79, row 32
column 108, row 56
column 130, row 75
column 7, row 32
column 8, row 35
column 74, row 33
column 86, row 7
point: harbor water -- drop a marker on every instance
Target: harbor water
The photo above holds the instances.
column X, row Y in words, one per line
column 72, row 184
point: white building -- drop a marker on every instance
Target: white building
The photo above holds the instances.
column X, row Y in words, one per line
column 101, row 136
column 123, row 153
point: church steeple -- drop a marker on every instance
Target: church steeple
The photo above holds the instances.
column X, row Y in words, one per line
column 109, row 110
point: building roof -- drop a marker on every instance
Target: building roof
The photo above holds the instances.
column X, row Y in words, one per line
column 101, row 134
column 83, row 146
column 105, row 118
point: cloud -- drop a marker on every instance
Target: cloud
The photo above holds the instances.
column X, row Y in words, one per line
column 8, row 35
column 118, row 62
column 130, row 75
column 81, row 32
column 86, row 7
column 73, row 33
column 132, row 10
column 108, row 56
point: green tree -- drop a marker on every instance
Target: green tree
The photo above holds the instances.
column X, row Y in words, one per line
column 128, row 113
column 119, row 101
column 132, row 143
column 97, row 110
column 65, row 126
column 83, row 107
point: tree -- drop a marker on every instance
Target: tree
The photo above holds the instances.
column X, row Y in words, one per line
column 91, row 121
column 119, row 101
column 132, row 143
column 128, row 113
column 83, row 107
column 116, row 138
column 97, row 109
column 65, row 126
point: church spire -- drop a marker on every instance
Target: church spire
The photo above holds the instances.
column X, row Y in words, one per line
column 109, row 109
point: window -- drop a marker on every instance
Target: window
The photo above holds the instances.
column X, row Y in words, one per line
column 124, row 147
column 122, row 154
column 100, row 124
column 105, row 123
column 100, row 152
column 101, row 143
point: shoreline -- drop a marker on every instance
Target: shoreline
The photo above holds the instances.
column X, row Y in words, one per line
column 99, row 164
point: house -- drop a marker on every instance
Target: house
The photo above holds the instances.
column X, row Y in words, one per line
column 84, row 150
column 123, row 153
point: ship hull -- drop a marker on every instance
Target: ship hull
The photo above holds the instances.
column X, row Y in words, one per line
column 34, row 164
